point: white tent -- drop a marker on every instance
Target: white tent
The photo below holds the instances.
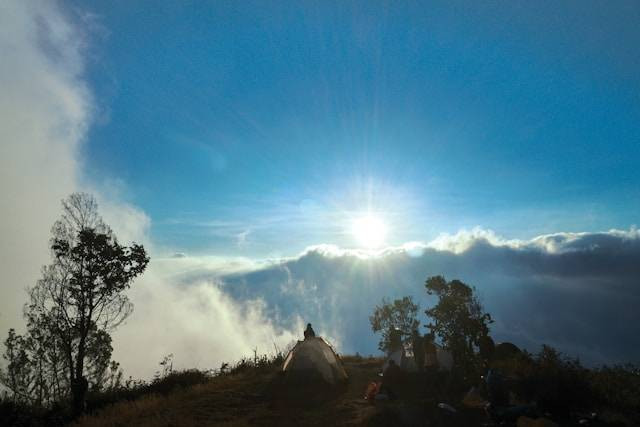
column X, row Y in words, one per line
column 400, row 358
column 314, row 357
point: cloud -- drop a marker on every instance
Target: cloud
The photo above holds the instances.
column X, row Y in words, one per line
column 199, row 324
column 575, row 291
column 46, row 109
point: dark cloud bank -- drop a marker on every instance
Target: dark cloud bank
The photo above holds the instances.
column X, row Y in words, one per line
column 577, row 292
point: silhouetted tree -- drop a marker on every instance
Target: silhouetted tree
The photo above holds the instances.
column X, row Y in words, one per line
column 71, row 310
column 459, row 320
column 394, row 319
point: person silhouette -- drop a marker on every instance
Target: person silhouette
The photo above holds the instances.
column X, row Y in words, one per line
column 309, row 332
column 417, row 344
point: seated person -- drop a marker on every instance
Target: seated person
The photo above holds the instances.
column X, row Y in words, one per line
column 391, row 379
column 309, row 332
column 430, row 352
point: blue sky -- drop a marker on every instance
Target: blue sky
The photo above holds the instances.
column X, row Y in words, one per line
column 260, row 128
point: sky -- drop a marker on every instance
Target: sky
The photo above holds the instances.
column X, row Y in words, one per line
column 259, row 128
column 259, row 150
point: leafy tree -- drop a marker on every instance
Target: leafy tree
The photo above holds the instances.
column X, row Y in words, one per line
column 459, row 320
column 394, row 320
column 72, row 309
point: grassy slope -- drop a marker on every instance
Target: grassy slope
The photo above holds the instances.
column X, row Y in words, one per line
column 257, row 396
column 249, row 398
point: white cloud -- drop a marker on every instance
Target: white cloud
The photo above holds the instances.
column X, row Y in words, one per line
column 575, row 291
column 200, row 324
column 464, row 239
column 45, row 110
column 44, row 114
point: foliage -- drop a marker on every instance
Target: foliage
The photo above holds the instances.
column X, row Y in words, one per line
column 459, row 320
column 559, row 384
column 394, row 318
column 617, row 386
column 80, row 298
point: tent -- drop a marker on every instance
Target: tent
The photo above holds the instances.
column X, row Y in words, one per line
column 314, row 358
column 442, row 359
column 400, row 358
column 505, row 350
column 406, row 362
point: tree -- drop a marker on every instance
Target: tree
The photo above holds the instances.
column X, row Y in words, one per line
column 394, row 319
column 72, row 309
column 459, row 320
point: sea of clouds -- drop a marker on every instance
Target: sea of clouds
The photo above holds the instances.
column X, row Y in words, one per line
column 576, row 291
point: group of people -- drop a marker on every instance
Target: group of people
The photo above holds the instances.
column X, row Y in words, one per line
column 424, row 350
column 427, row 356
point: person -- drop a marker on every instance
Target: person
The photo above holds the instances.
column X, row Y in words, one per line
column 395, row 340
column 487, row 348
column 391, row 379
column 418, row 349
column 496, row 389
column 309, row 332
column 431, row 352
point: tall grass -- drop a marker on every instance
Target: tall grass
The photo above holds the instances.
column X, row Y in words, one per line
column 165, row 381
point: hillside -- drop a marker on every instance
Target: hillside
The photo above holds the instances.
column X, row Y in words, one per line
column 256, row 396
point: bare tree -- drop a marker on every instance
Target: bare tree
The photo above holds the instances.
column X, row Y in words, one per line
column 72, row 309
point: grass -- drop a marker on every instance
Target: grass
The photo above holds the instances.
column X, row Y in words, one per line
column 256, row 395
column 247, row 394
column 252, row 392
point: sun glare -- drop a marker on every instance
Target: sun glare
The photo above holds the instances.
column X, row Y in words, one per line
column 369, row 231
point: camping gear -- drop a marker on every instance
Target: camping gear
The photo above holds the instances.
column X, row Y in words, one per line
column 372, row 390
column 314, row 358
column 474, row 399
column 447, row 407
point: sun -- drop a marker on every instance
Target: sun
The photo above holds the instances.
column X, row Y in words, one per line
column 369, row 231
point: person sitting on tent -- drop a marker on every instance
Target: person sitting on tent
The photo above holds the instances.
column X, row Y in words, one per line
column 309, row 332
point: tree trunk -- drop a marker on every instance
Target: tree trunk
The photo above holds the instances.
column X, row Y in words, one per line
column 79, row 386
